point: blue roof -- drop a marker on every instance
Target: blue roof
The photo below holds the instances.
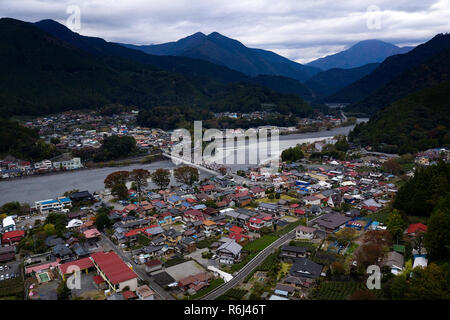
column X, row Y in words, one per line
column 67, row 199
column 49, row 201
column 199, row 206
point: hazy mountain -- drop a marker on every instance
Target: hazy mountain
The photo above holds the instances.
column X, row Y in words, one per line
column 363, row 52
column 389, row 69
column 201, row 70
column 41, row 74
column 228, row 52
column 328, row 82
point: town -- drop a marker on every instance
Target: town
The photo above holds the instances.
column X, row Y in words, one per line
column 307, row 232
column 76, row 138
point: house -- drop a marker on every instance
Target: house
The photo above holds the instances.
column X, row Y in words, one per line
column 153, row 265
column 145, row 293
column 53, row 205
column 268, row 207
column 302, row 232
column 67, row 162
column 311, row 200
column 331, row 222
column 291, row 253
column 12, row 237
column 229, row 252
column 394, row 261
column 194, row 283
column 8, row 224
column 414, row 229
column 114, row 271
column 258, row 192
column 303, row 272
column 7, row 253
column 84, row 264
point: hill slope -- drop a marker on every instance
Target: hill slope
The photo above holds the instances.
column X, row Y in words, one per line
column 363, row 52
column 417, row 122
column 389, row 69
column 196, row 69
column 228, row 52
column 41, row 74
column 328, row 82
column 426, row 75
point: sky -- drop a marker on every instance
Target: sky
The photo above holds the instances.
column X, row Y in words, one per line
column 301, row 30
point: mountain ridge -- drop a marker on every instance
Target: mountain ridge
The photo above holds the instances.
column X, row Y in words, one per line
column 359, row 54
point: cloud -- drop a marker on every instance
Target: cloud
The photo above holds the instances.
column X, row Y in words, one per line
column 302, row 30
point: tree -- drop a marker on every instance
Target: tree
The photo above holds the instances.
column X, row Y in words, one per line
column 161, row 177
column 63, row 292
column 120, row 191
column 116, row 178
column 429, row 283
column 186, row 174
column 140, row 178
column 395, row 224
column 102, row 220
column 437, row 237
column 392, row 166
column 49, row 229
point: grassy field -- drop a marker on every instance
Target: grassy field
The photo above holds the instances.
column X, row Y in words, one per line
column 282, row 197
column 260, row 243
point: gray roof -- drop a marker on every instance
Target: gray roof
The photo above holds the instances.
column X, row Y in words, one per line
column 230, row 246
column 304, row 267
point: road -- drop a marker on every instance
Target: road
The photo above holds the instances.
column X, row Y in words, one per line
column 249, row 267
column 139, row 270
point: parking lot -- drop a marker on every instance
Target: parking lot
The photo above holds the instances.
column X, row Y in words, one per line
column 9, row 270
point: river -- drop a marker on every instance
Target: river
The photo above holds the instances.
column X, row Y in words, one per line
column 43, row 187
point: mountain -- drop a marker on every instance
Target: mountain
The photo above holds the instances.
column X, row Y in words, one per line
column 200, row 70
column 221, row 50
column 425, row 75
column 363, row 52
column 389, row 69
column 41, row 74
column 415, row 123
column 328, row 82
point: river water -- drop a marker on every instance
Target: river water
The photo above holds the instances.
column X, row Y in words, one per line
column 43, row 187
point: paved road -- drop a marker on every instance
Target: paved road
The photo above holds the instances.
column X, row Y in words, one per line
column 139, row 270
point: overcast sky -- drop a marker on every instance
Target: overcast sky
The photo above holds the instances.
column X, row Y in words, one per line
column 301, row 30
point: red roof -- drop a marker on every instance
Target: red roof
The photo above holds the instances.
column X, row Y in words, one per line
column 135, row 232
column 208, row 187
column 413, row 228
column 128, row 295
column 236, row 229
column 299, row 211
column 153, row 263
column 113, row 267
column 13, row 234
column 98, row 279
column 81, row 264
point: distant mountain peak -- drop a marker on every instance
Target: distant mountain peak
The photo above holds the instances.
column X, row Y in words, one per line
column 359, row 54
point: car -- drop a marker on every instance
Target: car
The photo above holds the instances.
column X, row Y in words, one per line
column 2, row 277
column 6, row 276
column 1, row 268
column 5, row 267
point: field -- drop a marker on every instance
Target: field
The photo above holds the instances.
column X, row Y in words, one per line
column 334, row 290
column 260, row 243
